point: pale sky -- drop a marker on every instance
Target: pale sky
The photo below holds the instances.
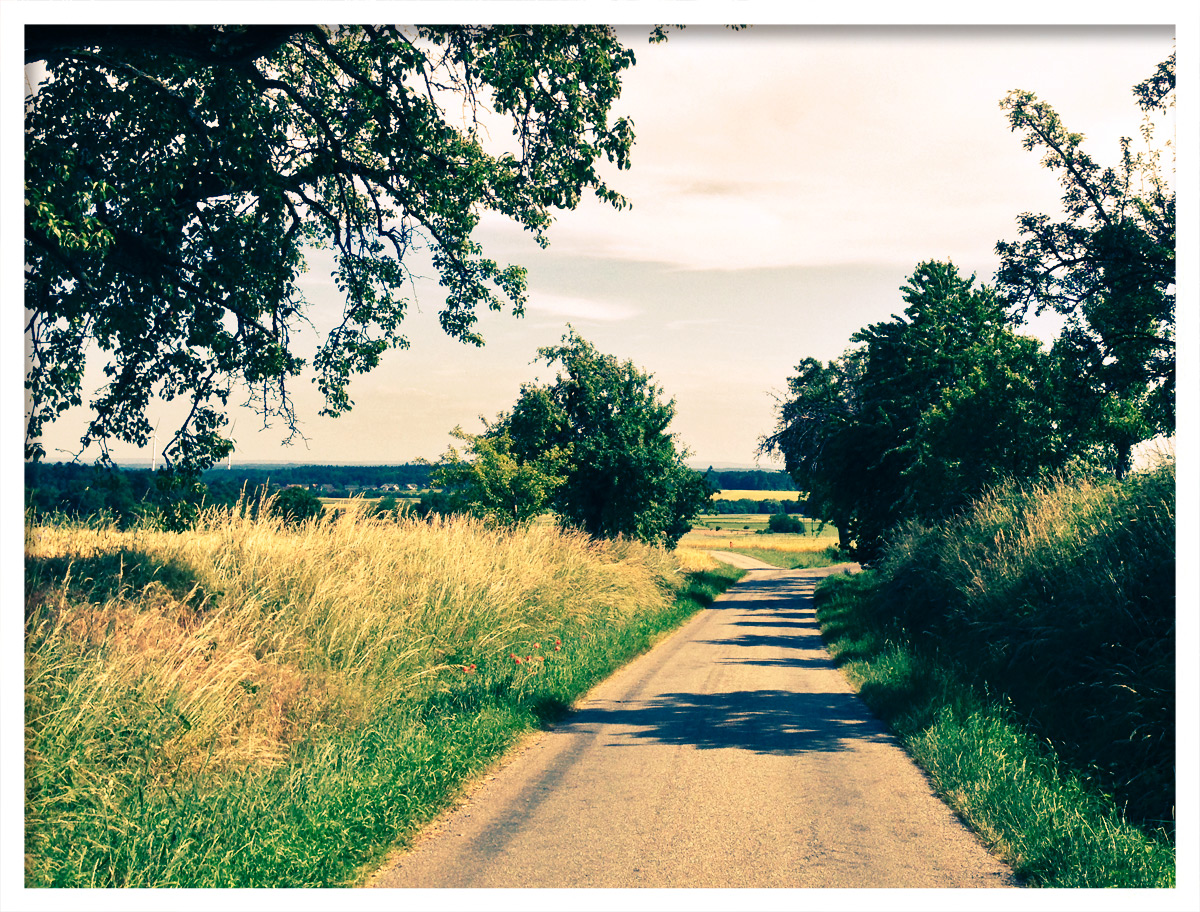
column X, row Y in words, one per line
column 784, row 183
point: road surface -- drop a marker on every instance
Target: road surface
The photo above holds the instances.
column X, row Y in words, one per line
column 734, row 754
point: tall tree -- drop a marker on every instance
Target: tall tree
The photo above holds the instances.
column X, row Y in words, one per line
column 175, row 176
column 600, row 430
column 1109, row 267
column 932, row 408
column 811, row 435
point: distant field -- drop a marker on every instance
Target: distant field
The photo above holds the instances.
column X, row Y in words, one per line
column 744, row 521
column 735, row 494
column 348, row 503
column 740, row 523
column 735, row 537
column 752, row 521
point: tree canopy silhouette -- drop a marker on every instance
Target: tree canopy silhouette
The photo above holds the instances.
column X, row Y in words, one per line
column 176, row 176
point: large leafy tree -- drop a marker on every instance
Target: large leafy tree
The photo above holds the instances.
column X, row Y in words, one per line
column 600, row 431
column 812, row 434
column 1109, row 266
column 175, row 176
column 930, row 409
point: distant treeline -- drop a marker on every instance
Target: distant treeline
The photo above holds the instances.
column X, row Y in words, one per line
column 750, row 480
column 349, row 478
column 125, row 494
column 747, row 505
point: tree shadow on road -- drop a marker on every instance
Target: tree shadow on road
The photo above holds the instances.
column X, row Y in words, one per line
column 794, row 632
column 809, row 647
column 765, row 721
column 747, row 595
column 762, row 721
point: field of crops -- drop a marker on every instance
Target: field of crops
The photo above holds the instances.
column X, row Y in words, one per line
column 736, row 494
column 358, row 503
column 737, row 537
column 748, row 522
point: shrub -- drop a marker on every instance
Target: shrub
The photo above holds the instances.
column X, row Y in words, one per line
column 1061, row 596
column 296, row 504
column 782, row 522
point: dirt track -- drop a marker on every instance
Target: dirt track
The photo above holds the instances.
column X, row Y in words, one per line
column 732, row 755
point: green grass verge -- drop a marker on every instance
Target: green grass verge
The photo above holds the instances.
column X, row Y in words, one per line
column 1041, row 817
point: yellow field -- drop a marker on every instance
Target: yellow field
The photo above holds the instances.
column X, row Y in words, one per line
column 713, row 540
column 736, row 494
column 349, row 503
column 752, row 522
column 346, row 503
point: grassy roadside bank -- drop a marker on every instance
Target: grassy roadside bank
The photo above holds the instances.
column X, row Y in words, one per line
column 252, row 704
column 1024, row 655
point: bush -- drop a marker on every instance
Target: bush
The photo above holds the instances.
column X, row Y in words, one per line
column 388, row 507
column 782, row 522
column 1061, row 596
column 296, row 504
column 434, row 504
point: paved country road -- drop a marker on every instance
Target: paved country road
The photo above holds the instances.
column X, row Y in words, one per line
column 734, row 754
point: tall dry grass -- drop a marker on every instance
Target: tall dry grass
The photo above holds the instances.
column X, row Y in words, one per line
column 160, row 665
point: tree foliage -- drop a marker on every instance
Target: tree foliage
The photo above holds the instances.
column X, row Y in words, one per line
column 489, row 482
column 929, row 410
column 822, row 402
column 297, row 505
column 593, row 446
column 934, row 408
column 782, row 523
column 176, row 175
column 1109, row 267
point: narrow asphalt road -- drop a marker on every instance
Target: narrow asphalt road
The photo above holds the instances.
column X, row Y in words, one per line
column 734, row 754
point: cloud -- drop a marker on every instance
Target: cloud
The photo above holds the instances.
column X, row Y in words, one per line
column 840, row 146
column 581, row 308
column 724, row 187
